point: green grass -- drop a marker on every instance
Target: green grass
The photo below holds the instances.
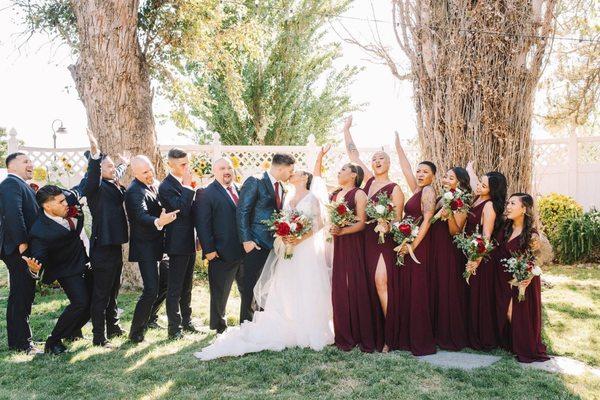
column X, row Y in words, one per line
column 163, row 369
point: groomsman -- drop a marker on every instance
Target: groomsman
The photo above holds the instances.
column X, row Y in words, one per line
column 57, row 249
column 18, row 210
column 259, row 198
column 147, row 219
column 105, row 197
column 177, row 195
column 215, row 218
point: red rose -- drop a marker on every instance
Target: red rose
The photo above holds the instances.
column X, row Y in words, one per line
column 34, row 186
column 452, row 190
column 194, row 184
column 73, row 212
column 480, row 246
column 456, row 204
column 299, row 226
column 390, row 207
column 405, row 229
column 283, row 229
column 341, row 209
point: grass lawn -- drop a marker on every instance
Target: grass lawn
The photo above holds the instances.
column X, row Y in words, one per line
column 163, row 369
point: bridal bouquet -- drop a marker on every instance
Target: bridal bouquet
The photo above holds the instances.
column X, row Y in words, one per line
column 381, row 211
column 474, row 247
column 404, row 233
column 340, row 215
column 522, row 267
column 454, row 200
column 288, row 224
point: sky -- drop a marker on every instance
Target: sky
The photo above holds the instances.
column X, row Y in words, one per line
column 36, row 87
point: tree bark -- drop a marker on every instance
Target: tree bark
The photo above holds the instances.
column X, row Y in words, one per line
column 112, row 78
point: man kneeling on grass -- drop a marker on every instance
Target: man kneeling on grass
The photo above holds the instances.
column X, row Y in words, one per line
column 58, row 252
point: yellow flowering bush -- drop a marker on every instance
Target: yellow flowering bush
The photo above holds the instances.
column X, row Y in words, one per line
column 40, row 174
column 201, row 165
column 555, row 209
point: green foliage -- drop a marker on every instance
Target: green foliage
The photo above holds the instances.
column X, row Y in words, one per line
column 554, row 210
column 3, row 146
column 579, row 237
column 288, row 85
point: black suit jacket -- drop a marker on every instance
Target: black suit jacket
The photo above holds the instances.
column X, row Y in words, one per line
column 105, row 200
column 60, row 250
column 146, row 243
column 257, row 203
column 216, row 222
column 179, row 234
column 18, row 211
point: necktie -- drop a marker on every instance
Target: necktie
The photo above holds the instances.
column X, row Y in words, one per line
column 277, row 197
column 71, row 223
column 233, row 195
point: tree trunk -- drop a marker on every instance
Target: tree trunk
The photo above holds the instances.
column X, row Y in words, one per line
column 475, row 67
column 113, row 82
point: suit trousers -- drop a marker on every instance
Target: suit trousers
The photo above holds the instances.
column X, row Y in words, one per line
column 253, row 266
column 77, row 313
column 154, row 277
column 221, row 275
column 20, row 299
column 107, row 265
column 179, row 290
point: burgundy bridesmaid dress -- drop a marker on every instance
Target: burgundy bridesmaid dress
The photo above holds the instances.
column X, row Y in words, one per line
column 447, row 289
column 415, row 328
column 522, row 336
column 482, row 325
column 385, row 330
column 352, row 314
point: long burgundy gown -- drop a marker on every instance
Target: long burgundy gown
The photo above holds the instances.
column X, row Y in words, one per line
column 447, row 289
column 386, row 329
column 522, row 336
column 416, row 331
column 482, row 329
column 352, row 315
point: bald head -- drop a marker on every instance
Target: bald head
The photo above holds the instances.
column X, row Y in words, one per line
column 142, row 169
column 223, row 171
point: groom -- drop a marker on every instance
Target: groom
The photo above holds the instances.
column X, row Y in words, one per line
column 259, row 198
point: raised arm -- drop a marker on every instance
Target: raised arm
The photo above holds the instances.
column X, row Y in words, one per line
column 352, row 150
column 319, row 162
column 405, row 165
column 474, row 180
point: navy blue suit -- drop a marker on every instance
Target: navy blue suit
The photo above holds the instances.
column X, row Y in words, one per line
column 146, row 246
column 180, row 245
column 257, row 203
column 105, row 199
column 216, row 224
column 18, row 212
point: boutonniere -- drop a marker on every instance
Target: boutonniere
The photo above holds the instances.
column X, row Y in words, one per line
column 34, row 186
column 74, row 212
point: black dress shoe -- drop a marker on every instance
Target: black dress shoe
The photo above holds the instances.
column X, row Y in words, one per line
column 190, row 328
column 154, row 325
column 54, row 348
column 136, row 338
column 176, row 335
column 221, row 330
column 115, row 332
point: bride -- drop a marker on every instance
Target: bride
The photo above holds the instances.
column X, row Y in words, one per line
column 294, row 294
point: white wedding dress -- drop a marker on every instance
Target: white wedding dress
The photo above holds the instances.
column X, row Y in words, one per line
column 295, row 295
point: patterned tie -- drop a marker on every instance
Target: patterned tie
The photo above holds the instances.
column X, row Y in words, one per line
column 277, row 197
column 71, row 223
column 233, row 195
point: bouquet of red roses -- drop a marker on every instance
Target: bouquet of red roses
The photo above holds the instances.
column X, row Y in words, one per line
column 381, row 211
column 522, row 267
column 404, row 233
column 288, row 224
column 340, row 215
column 474, row 247
column 454, row 200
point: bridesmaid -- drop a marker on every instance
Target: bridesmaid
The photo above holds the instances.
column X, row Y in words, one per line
column 352, row 316
column 519, row 323
column 416, row 331
column 486, row 215
column 447, row 288
column 380, row 259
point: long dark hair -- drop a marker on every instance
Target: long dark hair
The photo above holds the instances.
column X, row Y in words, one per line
column 528, row 221
column 464, row 181
column 309, row 178
column 498, row 189
column 360, row 173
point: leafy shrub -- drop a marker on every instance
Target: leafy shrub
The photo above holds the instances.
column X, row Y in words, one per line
column 579, row 238
column 554, row 210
